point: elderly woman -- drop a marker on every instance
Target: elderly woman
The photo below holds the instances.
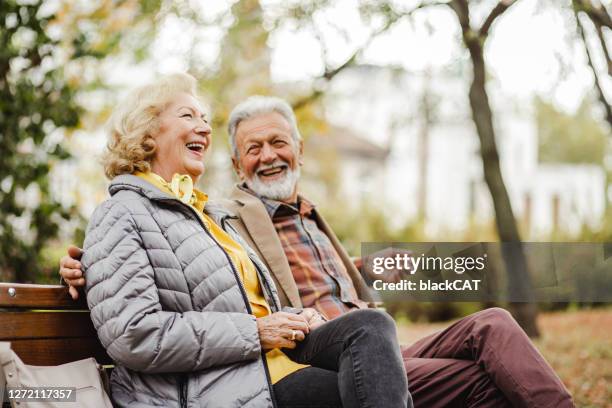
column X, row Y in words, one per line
column 187, row 311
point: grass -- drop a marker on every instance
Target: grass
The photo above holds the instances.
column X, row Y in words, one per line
column 577, row 344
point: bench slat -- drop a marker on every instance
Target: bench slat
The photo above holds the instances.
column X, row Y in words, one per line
column 31, row 325
column 60, row 333
column 38, row 297
column 59, row 350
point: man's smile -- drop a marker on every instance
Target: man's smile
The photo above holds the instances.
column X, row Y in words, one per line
column 272, row 171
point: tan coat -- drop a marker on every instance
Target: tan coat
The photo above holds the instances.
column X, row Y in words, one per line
column 255, row 225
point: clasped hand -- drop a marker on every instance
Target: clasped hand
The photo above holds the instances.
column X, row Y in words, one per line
column 284, row 330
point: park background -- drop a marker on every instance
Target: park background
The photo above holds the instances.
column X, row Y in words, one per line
column 405, row 108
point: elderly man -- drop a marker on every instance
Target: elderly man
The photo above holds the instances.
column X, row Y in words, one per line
column 482, row 360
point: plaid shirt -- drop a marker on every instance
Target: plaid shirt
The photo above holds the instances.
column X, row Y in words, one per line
column 321, row 277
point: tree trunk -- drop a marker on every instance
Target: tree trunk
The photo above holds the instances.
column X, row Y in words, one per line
column 514, row 257
column 423, row 151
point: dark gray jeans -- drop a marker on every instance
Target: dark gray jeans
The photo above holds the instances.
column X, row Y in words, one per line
column 356, row 362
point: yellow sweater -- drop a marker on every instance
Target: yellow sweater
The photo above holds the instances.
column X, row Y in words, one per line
column 181, row 187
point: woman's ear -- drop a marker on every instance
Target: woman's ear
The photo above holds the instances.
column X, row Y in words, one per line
column 149, row 145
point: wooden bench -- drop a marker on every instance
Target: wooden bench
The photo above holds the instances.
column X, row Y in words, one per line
column 46, row 327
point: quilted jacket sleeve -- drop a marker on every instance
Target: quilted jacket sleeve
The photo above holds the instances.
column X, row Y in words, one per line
column 125, row 308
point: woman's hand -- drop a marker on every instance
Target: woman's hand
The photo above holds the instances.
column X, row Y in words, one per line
column 313, row 317
column 281, row 330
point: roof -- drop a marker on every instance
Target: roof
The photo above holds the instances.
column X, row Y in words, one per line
column 346, row 143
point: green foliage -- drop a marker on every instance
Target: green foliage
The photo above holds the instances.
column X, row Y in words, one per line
column 569, row 138
column 95, row 31
column 603, row 234
column 35, row 102
column 38, row 108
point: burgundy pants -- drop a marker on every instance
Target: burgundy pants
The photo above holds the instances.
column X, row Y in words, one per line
column 483, row 360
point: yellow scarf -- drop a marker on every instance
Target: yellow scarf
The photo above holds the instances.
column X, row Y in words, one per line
column 180, row 187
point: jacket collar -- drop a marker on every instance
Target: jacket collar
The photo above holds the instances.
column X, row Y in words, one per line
column 258, row 223
column 148, row 190
column 138, row 185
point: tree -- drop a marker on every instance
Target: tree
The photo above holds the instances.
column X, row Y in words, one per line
column 39, row 107
column 427, row 112
column 474, row 40
column 35, row 102
column 390, row 13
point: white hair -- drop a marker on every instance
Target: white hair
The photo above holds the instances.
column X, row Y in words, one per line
column 259, row 105
column 276, row 190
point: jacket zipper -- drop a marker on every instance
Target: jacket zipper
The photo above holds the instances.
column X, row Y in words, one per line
column 248, row 306
column 183, row 383
column 242, row 292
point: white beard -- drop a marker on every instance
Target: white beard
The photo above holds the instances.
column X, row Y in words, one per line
column 278, row 189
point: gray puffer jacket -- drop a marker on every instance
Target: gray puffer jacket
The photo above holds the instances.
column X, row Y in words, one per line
column 168, row 305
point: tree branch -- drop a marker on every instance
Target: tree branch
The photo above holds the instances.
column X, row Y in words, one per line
column 602, row 96
column 600, row 18
column 313, row 96
column 604, row 15
column 460, row 7
column 597, row 13
column 604, row 47
column 324, row 49
column 498, row 10
column 330, row 72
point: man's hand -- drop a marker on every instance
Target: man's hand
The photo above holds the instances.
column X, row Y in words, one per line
column 313, row 317
column 70, row 270
column 278, row 329
column 392, row 275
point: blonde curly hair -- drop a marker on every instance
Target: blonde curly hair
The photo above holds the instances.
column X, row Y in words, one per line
column 131, row 146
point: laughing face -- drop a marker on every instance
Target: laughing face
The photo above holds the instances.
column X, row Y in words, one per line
column 184, row 136
column 269, row 158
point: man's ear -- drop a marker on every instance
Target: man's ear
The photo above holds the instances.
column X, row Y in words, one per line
column 237, row 169
column 301, row 153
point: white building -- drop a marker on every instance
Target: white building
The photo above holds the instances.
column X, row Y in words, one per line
column 341, row 164
column 387, row 105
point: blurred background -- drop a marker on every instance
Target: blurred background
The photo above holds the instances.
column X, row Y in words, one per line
column 423, row 121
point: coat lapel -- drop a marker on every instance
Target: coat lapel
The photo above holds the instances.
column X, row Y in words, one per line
column 258, row 223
